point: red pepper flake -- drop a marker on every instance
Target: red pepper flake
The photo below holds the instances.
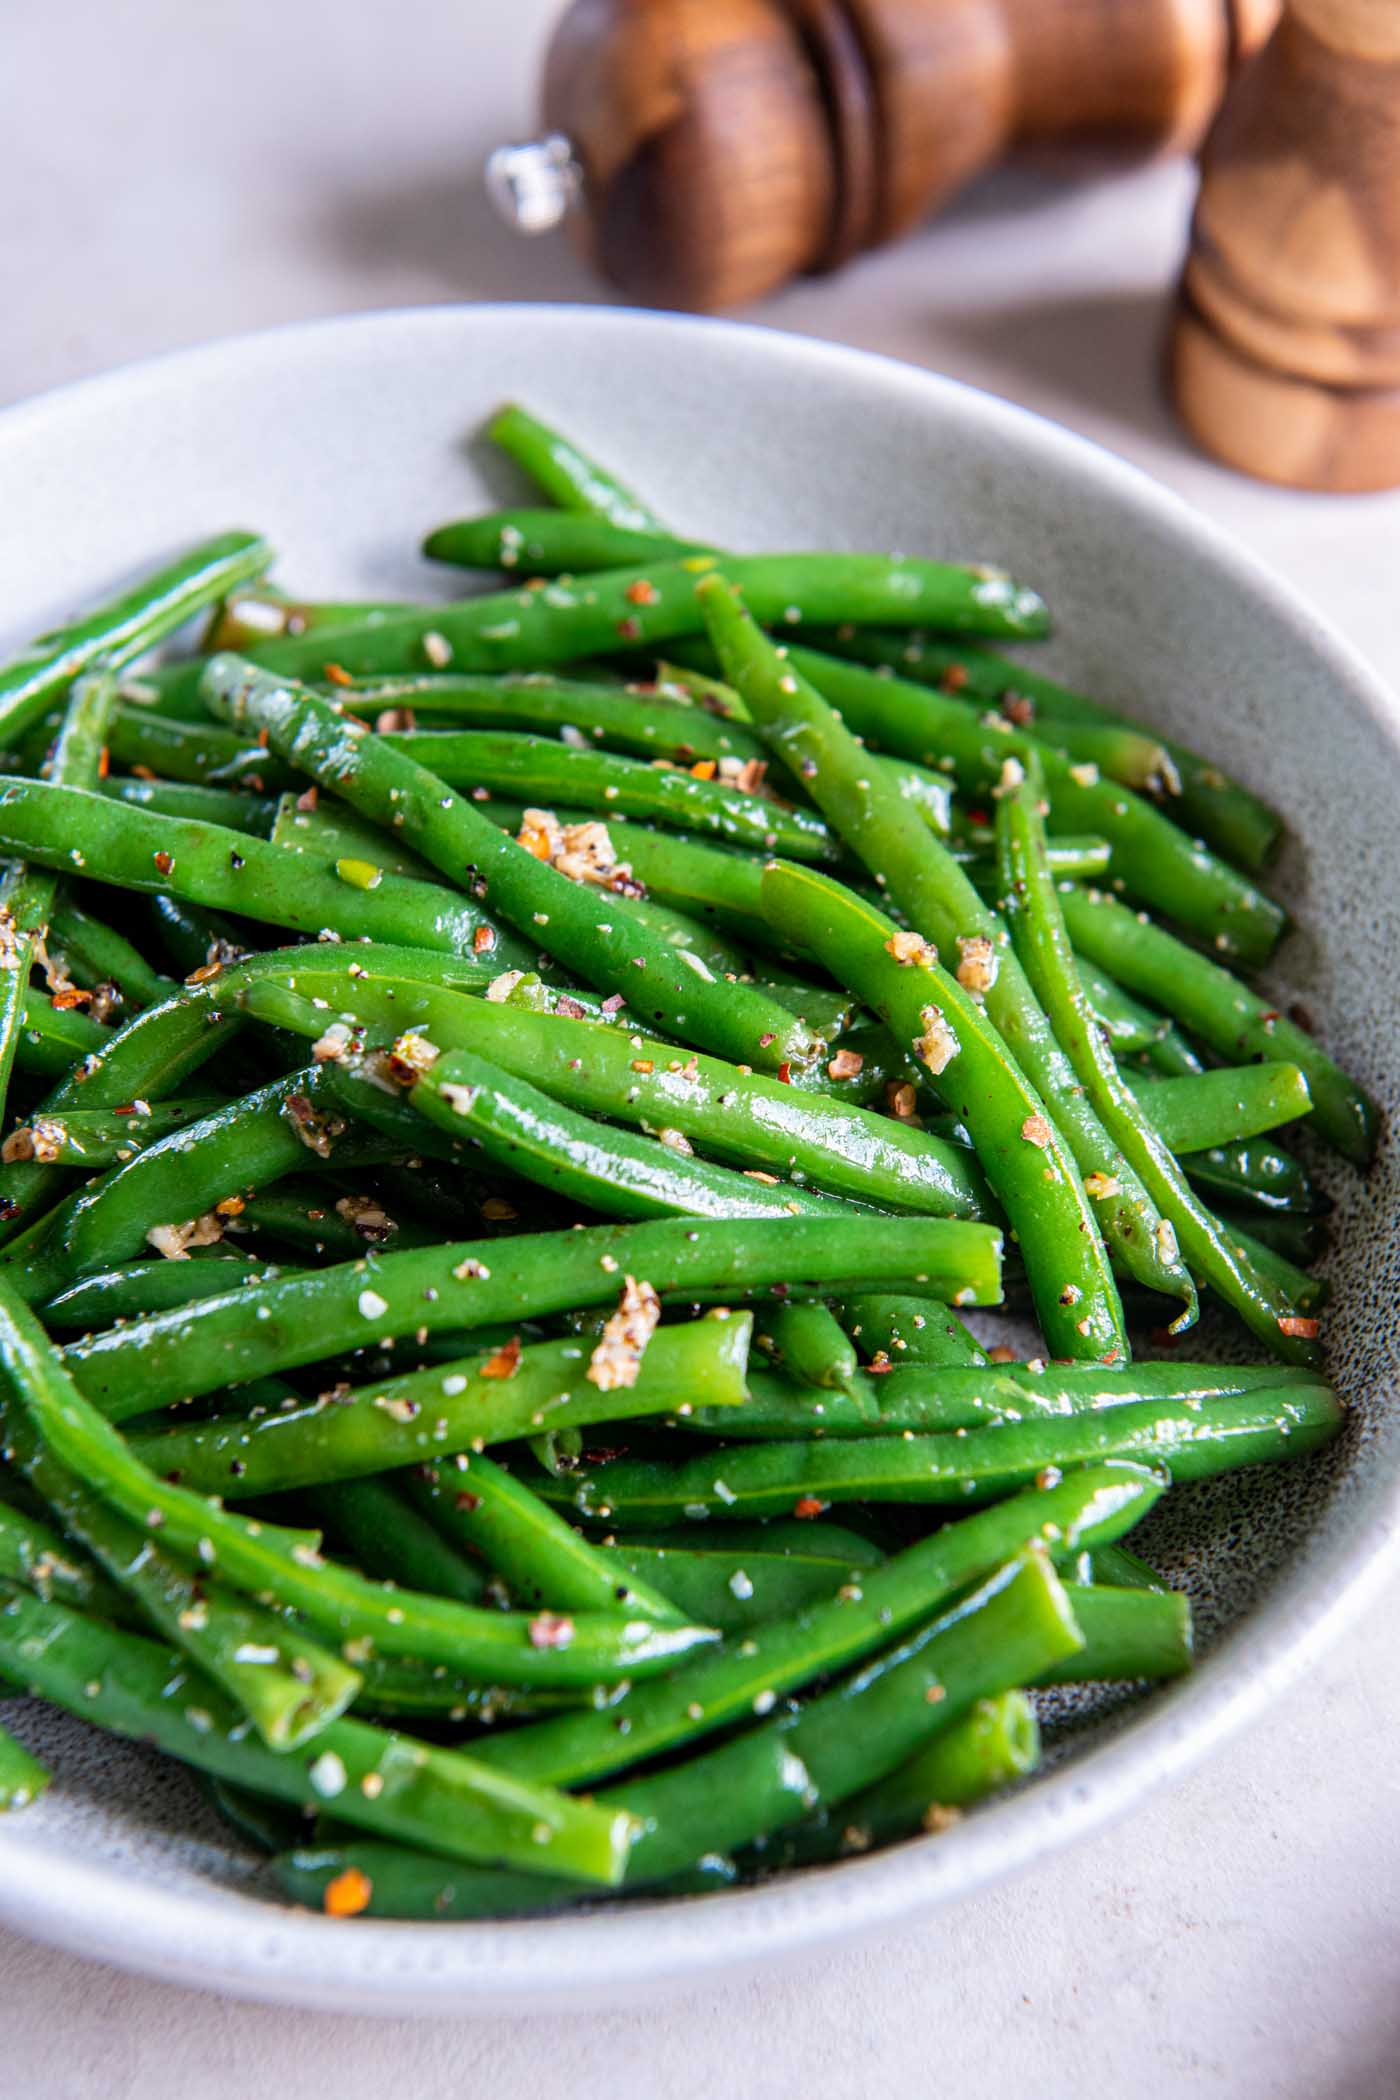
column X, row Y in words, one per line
column 550, row 1629
column 1295, row 1324
column 483, row 940
column 70, row 995
column 641, row 592
column 467, row 1502
column 163, row 861
column 978, row 816
column 1018, row 708
column 503, row 1363
column 765, row 1040
column 145, row 773
column 785, row 1072
column 704, row 769
column 879, row 1364
column 347, row 1894
column 1001, row 1354
column 1269, row 1016
column 306, row 802
column 630, row 630
column 128, row 1110
column 336, row 674
column 808, row 1506
column 845, row 1065
column 263, row 740
column 643, row 1064
column 954, row 678
column 104, row 763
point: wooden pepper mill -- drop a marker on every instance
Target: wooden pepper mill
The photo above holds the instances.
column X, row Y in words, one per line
column 717, row 148
column 1286, row 345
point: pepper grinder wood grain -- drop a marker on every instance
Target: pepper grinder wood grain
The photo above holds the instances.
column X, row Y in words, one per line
column 1285, row 351
column 707, row 151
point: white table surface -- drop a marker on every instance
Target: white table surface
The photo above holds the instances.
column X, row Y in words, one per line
column 175, row 171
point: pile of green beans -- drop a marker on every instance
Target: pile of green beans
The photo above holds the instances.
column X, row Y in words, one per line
column 489, row 1218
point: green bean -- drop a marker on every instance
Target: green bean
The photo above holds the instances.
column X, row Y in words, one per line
column 463, row 1404
column 200, row 754
column 908, row 1330
column 1042, row 943
column 63, row 827
column 914, row 1400
column 258, row 614
column 153, row 1055
column 1192, row 1439
column 641, row 719
column 1257, row 1173
column 274, row 1325
column 734, row 1588
column 1114, row 1566
column 565, row 474
column 423, row 1794
column 1238, row 1025
column 384, row 1535
column 1128, row 1633
column 207, row 805
column 36, row 1557
column 1128, row 1025
column 610, row 1171
column 732, row 1019
column 52, row 1039
column 881, row 1604
column 947, row 1037
column 404, row 1884
column 743, row 1117
column 309, row 1220
column 551, row 543
column 94, row 1138
column 1157, row 863
column 1211, row 806
column 1222, row 1107
column 101, row 955
column 1305, row 1295
column 122, row 627
column 143, row 1288
column 289, row 1687
column 542, row 1559
column 533, row 629
column 177, row 1181
column 1172, row 1055
column 795, row 1536
column 942, row 905
column 22, row 1778
column 26, row 907
column 991, row 1747
column 810, row 1344
column 849, row 1737
column 282, row 1567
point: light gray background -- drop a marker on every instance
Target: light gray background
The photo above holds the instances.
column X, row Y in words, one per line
column 174, row 170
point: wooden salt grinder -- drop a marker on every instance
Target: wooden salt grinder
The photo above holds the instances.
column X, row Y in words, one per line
column 717, row 148
column 1285, row 351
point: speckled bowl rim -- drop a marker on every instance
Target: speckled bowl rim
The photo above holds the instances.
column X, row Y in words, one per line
column 252, row 1949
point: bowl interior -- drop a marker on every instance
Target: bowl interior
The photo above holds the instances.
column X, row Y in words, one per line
column 345, row 441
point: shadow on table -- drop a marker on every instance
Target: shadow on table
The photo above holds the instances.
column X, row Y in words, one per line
column 1099, row 352
column 443, row 229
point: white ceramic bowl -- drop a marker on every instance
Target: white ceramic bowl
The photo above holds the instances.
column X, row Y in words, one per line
column 344, row 441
